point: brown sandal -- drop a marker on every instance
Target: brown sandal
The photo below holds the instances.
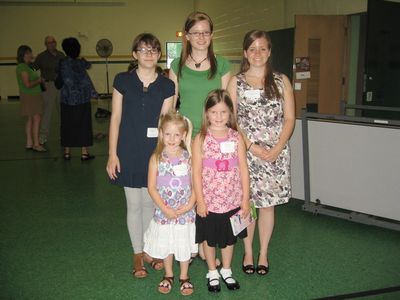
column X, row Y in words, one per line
column 155, row 263
column 165, row 285
column 139, row 271
column 186, row 287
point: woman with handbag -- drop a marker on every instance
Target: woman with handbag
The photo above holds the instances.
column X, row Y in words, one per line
column 76, row 92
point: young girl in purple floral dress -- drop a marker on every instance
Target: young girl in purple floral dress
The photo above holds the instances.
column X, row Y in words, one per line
column 172, row 230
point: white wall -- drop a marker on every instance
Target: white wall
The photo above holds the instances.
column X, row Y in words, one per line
column 232, row 19
column 30, row 24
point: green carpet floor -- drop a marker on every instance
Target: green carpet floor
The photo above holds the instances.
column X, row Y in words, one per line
column 63, row 236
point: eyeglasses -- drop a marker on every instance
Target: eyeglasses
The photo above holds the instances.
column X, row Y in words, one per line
column 147, row 51
column 197, row 34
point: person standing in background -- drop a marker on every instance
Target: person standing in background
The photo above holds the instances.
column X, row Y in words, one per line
column 29, row 96
column 76, row 93
column 47, row 62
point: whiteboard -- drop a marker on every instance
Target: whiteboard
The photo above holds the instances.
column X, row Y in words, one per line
column 355, row 167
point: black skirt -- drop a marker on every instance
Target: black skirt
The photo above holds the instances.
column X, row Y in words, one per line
column 216, row 229
column 76, row 125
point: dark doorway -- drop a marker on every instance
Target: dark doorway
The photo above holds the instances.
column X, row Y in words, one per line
column 382, row 58
column 282, row 51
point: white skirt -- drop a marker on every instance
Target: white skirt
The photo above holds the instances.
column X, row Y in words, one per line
column 163, row 240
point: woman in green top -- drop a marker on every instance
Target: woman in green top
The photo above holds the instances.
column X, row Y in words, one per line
column 30, row 97
column 198, row 71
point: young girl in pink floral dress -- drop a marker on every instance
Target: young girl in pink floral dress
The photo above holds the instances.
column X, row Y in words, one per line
column 221, row 185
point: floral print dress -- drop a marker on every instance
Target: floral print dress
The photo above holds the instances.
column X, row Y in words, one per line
column 261, row 119
column 222, row 186
column 175, row 190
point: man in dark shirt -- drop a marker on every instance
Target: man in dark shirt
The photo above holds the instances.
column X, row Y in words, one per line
column 47, row 63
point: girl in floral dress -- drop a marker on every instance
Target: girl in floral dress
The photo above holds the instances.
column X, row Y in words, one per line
column 172, row 230
column 221, row 185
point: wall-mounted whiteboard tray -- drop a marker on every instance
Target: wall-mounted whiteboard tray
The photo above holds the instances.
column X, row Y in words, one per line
column 355, row 167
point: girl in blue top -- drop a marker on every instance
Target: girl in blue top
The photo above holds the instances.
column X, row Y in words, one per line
column 140, row 96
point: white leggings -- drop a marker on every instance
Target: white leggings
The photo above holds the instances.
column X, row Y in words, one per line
column 140, row 210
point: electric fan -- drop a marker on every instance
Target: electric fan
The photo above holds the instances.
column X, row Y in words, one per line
column 104, row 48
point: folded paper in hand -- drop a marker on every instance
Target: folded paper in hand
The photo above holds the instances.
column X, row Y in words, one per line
column 239, row 224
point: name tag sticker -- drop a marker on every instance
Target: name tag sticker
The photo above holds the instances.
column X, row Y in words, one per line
column 252, row 94
column 180, row 170
column 152, row 132
column 227, row 147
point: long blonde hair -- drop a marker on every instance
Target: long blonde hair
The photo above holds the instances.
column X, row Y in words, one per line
column 184, row 126
column 213, row 98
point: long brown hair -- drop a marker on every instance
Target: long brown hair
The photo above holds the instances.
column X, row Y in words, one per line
column 213, row 98
column 270, row 87
column 184, row 127
column 191, row 20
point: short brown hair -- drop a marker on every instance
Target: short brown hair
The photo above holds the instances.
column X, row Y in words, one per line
column 148, row 39
column 21, row 52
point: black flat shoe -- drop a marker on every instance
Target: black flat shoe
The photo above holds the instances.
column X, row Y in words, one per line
column 231, row 286
column 248, row 269
column 67, row 156
column 86, row 156
column 213, row 288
